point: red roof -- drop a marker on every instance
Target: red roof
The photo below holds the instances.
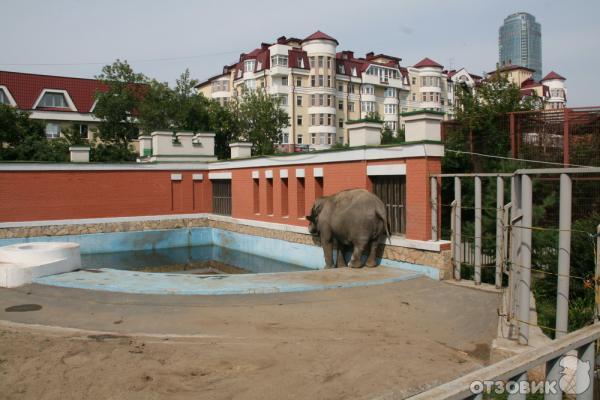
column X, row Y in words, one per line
column 294, row 57
column 26, row 88
column 427, row 62
column 553, row 75
column 318, row 35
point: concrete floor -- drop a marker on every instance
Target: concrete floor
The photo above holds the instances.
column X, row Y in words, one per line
column 386, row 341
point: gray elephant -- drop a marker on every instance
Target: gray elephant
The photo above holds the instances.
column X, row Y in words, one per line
column 354, row 217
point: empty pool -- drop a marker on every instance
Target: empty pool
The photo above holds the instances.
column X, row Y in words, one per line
column 208, row 259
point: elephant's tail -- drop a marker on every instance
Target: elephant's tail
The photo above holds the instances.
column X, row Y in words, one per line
column 382, row 214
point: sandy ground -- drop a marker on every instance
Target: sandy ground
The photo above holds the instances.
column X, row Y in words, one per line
column 383, row 342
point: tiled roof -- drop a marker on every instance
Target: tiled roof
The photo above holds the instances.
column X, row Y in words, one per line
column 427, row 62
column 26, row 88
column 553, row 75
column 318, row 35
column 294, row 57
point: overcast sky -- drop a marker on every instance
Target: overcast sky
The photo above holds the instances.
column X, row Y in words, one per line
column 205, row 35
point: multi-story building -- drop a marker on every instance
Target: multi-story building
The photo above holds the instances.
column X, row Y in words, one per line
column 520, row 43
column 320, row 87
column 551, row 89
column 59, row 102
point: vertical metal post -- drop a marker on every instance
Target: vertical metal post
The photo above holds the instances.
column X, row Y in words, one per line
column 564, row 257
column 434, row 208
column 566, row 137
column 516, row 381
column 584, row 376
column 597, row 276
column 499, row 230
column 515, row 241
column 478, row 230
column 553, row 374
column 525, row 258
column 457, row 229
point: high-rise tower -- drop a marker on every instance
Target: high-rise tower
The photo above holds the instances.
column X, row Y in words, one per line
column 520, row 42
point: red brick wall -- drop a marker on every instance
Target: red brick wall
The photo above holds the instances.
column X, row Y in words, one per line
column 48, row 195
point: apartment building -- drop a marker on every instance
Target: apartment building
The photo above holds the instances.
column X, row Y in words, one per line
column 322, row 88
column 550, row 89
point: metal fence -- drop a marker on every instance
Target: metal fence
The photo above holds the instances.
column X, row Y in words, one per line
column 515, row 253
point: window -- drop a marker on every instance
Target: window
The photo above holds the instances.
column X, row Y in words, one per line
column 353, row 71
column 328, row 81
column 340, row 88
column 298, row 82
column 249, row 66
column 312, row 99
column 279, row 60
column 321, row 81
column 321, row 99
column 341, row 123
column 299, row 139
column 320, row 61
column 53, row 100
column 299, row 101
column 341, row 105
column 52, row 130
column 368, row 89
column 250, row 84
column 368, row 106
column 299, row 120
column 313, row 138
column 414, row 97
column 321, row 119
column 351, row 106
column 3, row 97
column 390, row 108
column 284, row 81
column 328, row 62
column 350, row 88
column 391, row 125
column 424, row 97
column 313, row 118
column 283, row 100
column 328, row 100
column 390, row 92
column 341, row 69
column 83, row 131
column 329, row 120
column 414, row 80
column 330, row 138
column 312, row 62
column 312, row 81
column 221, row 196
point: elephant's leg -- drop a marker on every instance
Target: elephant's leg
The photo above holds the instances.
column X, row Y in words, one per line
column 355, row 260
column 340, row 262
column 372, row 260
column 328, row 252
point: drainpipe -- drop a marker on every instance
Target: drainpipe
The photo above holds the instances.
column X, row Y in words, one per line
column 293, row 123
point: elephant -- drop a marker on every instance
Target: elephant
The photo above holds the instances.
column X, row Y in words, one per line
column 353, row 217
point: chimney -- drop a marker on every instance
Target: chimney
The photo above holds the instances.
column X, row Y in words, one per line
column 80, row 154
column 240, row 150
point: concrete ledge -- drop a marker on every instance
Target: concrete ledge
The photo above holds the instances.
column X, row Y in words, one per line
column 23, row 262
column 186, row 284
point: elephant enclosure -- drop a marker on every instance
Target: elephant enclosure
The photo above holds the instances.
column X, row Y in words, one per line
column 387, row 341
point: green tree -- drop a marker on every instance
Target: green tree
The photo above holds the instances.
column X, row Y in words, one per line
column 257, row 118
column 24, row 139
column 117, row 107
column 480, row 123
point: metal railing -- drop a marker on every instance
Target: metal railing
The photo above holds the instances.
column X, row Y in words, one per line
column 513, row 252
column 513, row 371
